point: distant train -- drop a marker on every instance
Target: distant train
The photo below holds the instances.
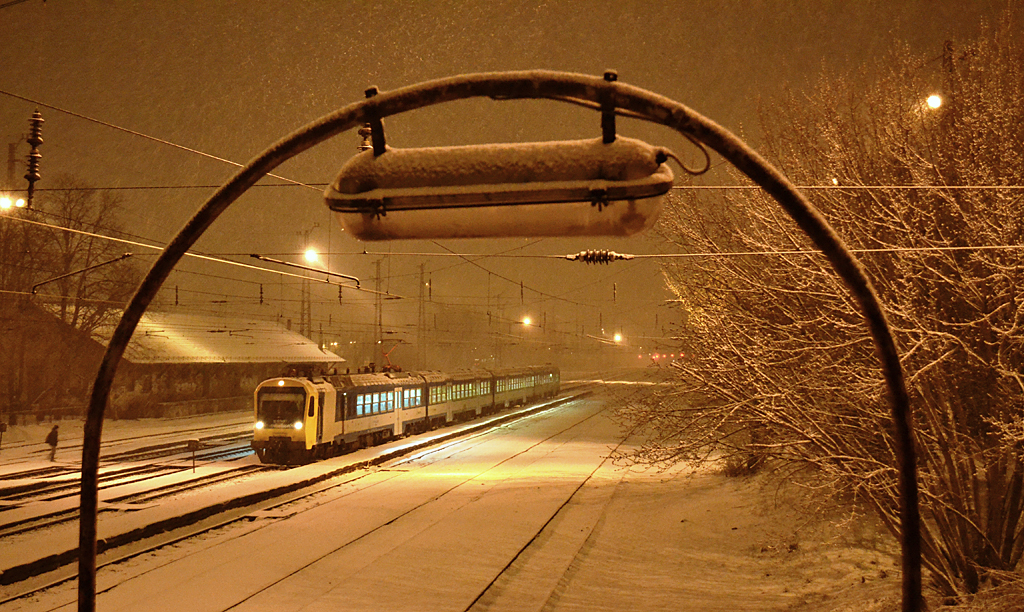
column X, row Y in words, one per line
column 306, row 417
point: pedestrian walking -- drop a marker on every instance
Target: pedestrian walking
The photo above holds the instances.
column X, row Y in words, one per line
column 51, row 439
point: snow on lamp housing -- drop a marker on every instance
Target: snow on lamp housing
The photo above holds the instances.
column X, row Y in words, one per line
column 562, row 188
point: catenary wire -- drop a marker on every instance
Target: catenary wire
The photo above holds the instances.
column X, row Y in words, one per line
column 188, row 254
column 146, row 136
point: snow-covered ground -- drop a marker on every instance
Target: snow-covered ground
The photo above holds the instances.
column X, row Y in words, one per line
column 23, row 443
column 627, row 539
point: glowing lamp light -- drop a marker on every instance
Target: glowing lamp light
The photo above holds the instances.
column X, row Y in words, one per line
column 311, row 256
column 934, row 101
column 617, row 337
column 563, row 188
column 259, row 425
column 298, row 424
column 7, row 203
column 280, row 383
column 527, row 320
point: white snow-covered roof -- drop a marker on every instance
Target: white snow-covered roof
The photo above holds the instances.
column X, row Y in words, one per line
column 625, row 159
column 163, row 337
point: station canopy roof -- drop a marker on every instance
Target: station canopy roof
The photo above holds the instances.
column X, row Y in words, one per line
column 163, row 337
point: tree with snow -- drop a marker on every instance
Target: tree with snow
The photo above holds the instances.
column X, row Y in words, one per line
column 779, row 364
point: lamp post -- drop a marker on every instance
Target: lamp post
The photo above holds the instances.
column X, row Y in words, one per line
column 608, row 96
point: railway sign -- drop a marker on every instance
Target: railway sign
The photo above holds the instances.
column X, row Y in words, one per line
column 193, row 446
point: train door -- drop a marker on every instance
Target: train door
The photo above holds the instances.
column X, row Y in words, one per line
column 399, row 408
column 320, row 418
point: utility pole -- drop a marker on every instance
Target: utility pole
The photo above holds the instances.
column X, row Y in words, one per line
column 378, row 303
column 306, row 310
column 306, row 301
column 421, row 339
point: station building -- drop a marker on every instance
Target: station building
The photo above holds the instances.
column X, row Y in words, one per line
column 176, row 364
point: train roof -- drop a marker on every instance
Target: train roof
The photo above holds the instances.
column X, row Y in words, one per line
column 370, row 379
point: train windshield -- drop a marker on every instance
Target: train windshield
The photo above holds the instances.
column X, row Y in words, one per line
column 278, row 406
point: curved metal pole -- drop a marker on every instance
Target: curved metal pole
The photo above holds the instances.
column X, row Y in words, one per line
column 510, row 85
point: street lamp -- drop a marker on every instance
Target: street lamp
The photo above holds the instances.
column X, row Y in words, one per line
column 6, row 202
column 934, row 101
column 311, row 255
column 527, row 321
column 608, row 97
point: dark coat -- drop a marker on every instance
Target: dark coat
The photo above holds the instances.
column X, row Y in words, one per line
column 51, row 438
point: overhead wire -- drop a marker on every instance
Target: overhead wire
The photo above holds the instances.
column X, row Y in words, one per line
column 188, row 254
column 319, row 185
column 146, row 136
column 465, row 257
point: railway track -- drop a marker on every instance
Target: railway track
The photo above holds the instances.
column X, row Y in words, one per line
column 280, row 503
column 24, row 524
column 35, row 499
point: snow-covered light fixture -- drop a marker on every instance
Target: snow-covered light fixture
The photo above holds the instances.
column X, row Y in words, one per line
column 562, row 188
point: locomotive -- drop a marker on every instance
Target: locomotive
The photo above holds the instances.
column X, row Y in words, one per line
column 311, row 415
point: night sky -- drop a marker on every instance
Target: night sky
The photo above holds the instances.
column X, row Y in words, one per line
column 229, row 78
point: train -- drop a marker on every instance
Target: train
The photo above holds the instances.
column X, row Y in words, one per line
column 310, row 415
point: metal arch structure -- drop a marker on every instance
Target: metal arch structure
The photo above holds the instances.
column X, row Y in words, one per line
column 602, row 94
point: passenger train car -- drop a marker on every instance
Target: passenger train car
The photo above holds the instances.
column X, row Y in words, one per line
column 301, row 418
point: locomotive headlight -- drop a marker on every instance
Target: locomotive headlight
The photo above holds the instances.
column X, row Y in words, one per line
column 259, row 425
column 298, row 424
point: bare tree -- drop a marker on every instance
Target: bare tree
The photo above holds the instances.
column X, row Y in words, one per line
column 61, row 236
column 89, row 298
column 778, row 362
